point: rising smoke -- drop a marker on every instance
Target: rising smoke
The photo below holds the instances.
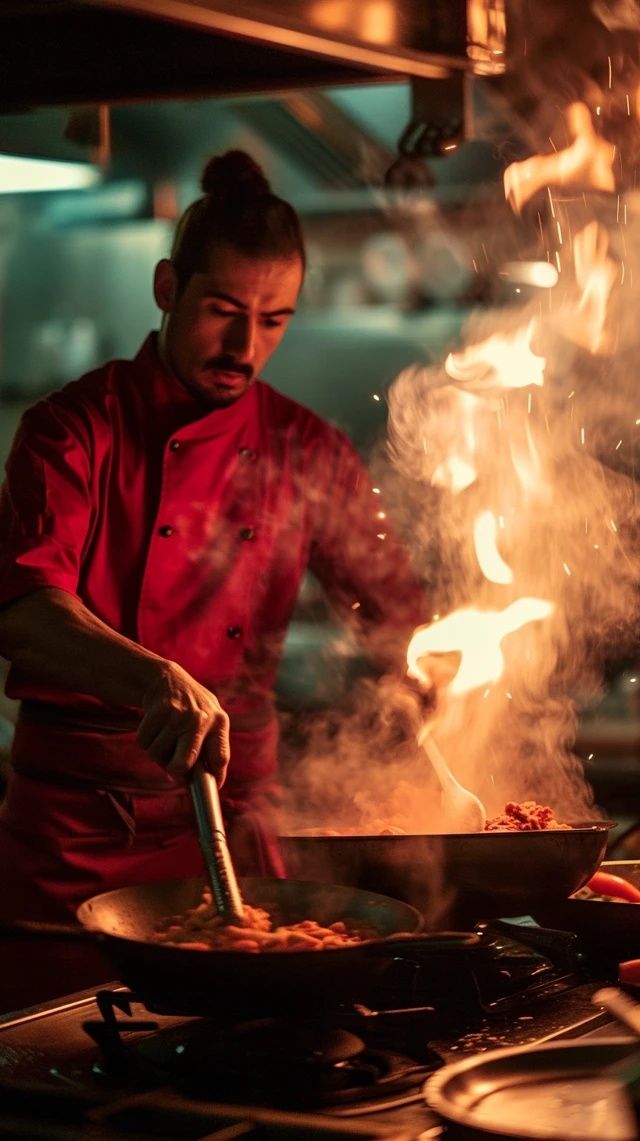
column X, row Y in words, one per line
column 544, row 440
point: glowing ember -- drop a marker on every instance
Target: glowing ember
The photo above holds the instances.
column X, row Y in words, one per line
column 477, row 636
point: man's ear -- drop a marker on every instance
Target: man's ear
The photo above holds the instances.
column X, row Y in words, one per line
column 165, row 286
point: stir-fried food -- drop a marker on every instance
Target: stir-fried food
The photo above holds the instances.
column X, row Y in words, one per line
column 525, row 817
column 200, row 928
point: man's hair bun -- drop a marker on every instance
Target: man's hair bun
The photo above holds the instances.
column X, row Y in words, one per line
column 234, row 175
column 238, row 208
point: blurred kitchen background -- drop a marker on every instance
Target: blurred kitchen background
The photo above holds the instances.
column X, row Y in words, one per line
column 400, row 251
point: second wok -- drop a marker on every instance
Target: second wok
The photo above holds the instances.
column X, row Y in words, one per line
column 454, row 880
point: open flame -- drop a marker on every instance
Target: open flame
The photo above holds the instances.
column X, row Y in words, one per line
column 492, row 565
column 547, row 580
column 519, row 520
column 455, row 473
column 477, row 636
column 587, row 162
column 499, row 362
column 527, row 462
column 596, row 274
column 458, row 411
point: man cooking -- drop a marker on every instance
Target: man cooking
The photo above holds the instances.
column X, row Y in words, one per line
column 156, row 520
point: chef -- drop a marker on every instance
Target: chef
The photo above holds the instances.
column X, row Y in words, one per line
column 156, row 519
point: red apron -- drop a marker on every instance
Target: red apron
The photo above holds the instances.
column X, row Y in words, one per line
column 61, row 843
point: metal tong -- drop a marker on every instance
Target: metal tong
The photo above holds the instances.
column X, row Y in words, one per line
column 624, row 1008
column 213, row 841
column 627, row 1071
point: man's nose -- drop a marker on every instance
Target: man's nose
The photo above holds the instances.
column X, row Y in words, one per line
column 241, row 337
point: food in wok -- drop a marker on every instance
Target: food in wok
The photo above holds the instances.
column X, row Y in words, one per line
column 201, row 928
column 527, row 816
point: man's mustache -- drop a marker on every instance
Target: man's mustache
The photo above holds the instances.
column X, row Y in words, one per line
column 228, row 364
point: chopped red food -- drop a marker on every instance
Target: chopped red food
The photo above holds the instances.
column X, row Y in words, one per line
column 629, row 972
column 613, row 887
column 525, row 817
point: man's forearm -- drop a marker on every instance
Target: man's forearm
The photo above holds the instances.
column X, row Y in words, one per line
column 53, row 638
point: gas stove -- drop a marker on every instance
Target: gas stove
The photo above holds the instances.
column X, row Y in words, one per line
column 100, row 1066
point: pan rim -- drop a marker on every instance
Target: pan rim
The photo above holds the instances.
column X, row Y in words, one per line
column 85, row 909
column 438, row 1097
column 591, row 826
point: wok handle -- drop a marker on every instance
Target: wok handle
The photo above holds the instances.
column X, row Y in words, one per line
column 438, row 942
column 213, row 841
column 34, row 929
column 560, row 945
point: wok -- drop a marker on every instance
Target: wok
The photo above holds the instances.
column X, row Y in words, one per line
column 175, row 980
column 457, row 879
column 610, row 930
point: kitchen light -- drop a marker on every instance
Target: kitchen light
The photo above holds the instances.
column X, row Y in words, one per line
column 19, row 175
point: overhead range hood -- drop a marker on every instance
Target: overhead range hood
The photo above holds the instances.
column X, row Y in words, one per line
column 531, row 56
column 92, row 51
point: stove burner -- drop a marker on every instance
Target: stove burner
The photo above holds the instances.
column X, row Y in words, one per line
column 273, row 1062
column 281, row 1062
column 267, row 1041
column 370, row 1052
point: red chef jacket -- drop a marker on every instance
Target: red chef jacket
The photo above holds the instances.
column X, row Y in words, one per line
column 188, row 531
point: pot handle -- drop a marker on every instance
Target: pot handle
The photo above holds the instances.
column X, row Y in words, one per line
column 33, row 929
column 438, row 942
column 554, row 942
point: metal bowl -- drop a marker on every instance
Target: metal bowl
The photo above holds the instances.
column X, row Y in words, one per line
column 562, row 1091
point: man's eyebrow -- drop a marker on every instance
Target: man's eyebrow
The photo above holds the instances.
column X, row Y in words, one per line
column 221, row 296
column 210, row 291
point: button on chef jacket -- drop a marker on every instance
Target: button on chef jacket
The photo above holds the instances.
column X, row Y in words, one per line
column 188, row 531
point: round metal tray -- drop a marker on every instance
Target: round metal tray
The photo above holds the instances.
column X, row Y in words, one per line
column 553, row 1092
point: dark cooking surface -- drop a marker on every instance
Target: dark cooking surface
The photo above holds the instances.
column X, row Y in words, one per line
column 156, row 1083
